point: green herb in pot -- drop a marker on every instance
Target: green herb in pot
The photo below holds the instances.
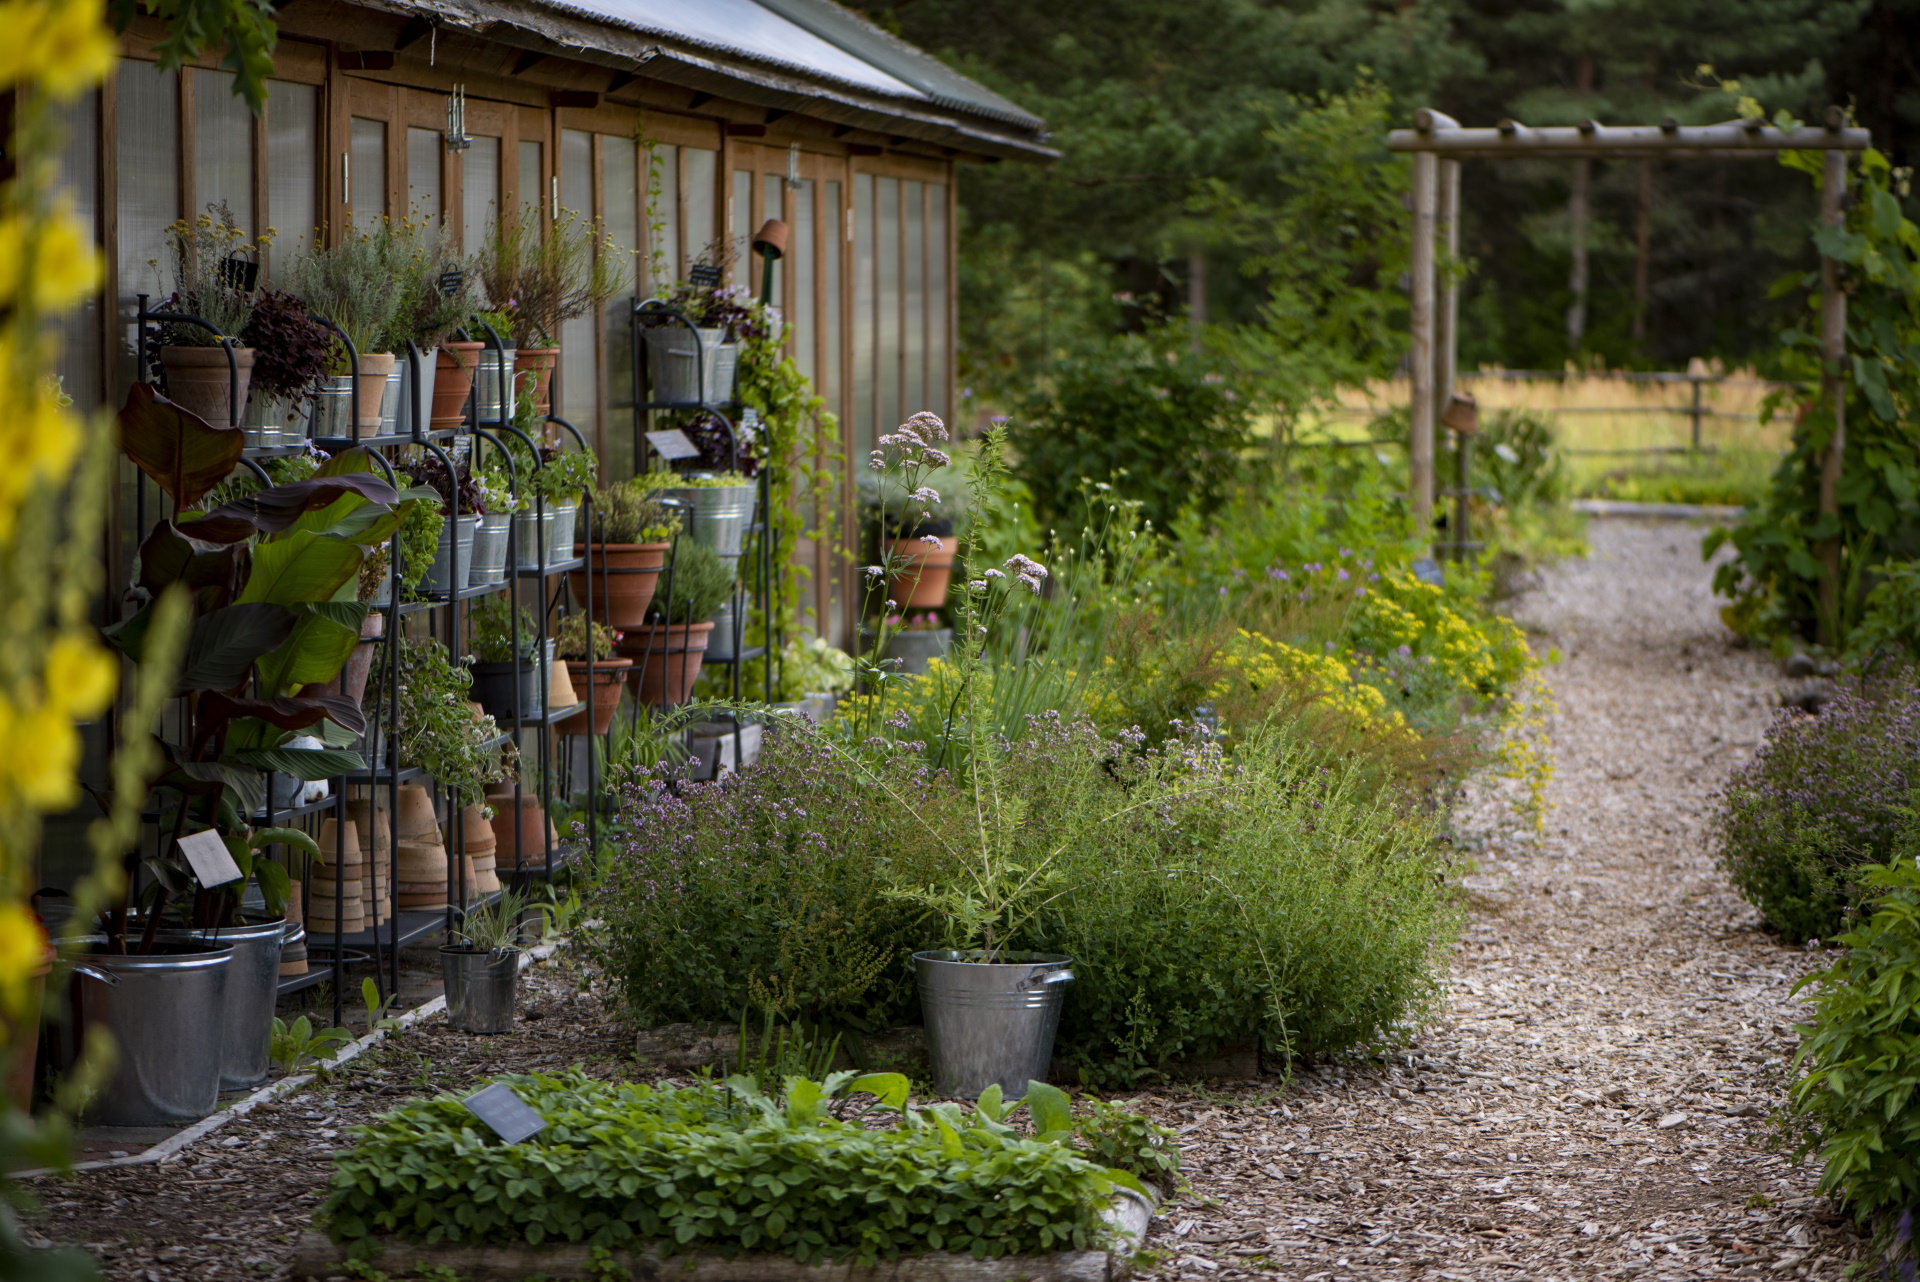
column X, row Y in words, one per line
column 700, row 580
column 490, row 630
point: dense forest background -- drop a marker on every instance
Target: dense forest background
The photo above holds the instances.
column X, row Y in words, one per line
column 1223, row 161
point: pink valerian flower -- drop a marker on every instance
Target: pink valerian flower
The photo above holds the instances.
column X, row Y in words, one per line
column 935, row 458
column 875, row 571
column 992, row 574
column 925, row 494
column 932, row 540
column 878, row 461
column 1026, row 571
column 929, row 422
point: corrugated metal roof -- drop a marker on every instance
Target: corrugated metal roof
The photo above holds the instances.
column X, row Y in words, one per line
column 749, row 27
column 811, row 57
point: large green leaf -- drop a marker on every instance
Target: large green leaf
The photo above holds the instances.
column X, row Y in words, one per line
column 285, row 714
column 302, row 567
column 322, row 639
column 183, row 453
column 301, row 763
column 169, row 556
column 223, row 645
column 195, row 777
column 272, row 510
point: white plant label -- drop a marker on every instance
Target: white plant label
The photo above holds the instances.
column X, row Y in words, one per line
column 673, row 444
column 511, row 1118
column 209, row 858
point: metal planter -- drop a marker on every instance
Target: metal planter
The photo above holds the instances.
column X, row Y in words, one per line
column 253, row 987
column 166, row 1013
column 560, row 536
column 990, row 1022
column 440, row 574
column 721, row 514
column 494, row 373
column 490, row 550
column 677, row 361
column 481, row 987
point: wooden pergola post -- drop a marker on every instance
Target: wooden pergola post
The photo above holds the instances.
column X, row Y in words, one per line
column 1833, row 384
column 1439, row 144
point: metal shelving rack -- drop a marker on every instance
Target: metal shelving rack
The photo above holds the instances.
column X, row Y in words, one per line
column 761, row 551
column 381, row 942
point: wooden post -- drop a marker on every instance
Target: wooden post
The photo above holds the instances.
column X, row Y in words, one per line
column 1420, row 438
column 1446, row 316
column 1833, row 387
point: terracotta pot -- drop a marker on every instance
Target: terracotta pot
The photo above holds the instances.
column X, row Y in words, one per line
column 533, row 368
column 375, row 368
column 452, row 382
column 199, row 379
column 418, row 822
column 608, row 675
column 925, row 572
column 666, row 660
column 22, row 1040
column 620, row 596
column 520, row 841
column 560, row 693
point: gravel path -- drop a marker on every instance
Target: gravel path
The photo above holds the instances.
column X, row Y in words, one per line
column 1594, row 1103
column 1590, row 1106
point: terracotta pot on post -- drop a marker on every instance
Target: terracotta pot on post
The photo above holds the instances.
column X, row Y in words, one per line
column 452, row 382
column 375, row 368
column 924, row 571
column 608, row 676
column 199, row 379
column 620, row 596
column 666, row 660
column 533, row 368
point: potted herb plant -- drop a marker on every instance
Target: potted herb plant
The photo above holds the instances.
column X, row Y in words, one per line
column 482, row 970
column 498, row 506
column 719, row 505
column 626, row 549
column 212, row 282
column 453, row 552
column 668, row 651
column 542, row 281
column 725, row 317
column 439, row 731
column 290, row 360
column 437, row 294
column 553, row 479
column 506, row 673
column 350, row 285
column 577, row 634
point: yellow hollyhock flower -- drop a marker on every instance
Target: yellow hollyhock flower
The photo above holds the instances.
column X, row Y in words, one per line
column 23, row 954
column 39, row 756
column 63, row 46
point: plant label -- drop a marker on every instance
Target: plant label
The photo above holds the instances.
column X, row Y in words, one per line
column 510, row 1116
column 704, row 275
column 209, row 858
column 673, row 444
column 450, row 282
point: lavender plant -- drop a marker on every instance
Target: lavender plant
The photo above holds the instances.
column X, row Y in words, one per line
column 1824, row 796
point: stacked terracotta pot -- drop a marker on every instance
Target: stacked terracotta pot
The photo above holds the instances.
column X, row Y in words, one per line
column 376, row 837
column 337, row 882
column 293, row 948
column 521, row 832
column 481, row 845
column 423, row 852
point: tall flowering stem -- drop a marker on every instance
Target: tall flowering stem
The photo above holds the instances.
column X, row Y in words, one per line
column 55, row 674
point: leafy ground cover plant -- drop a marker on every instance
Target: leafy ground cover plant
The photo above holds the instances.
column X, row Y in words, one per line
column 1824, row 796
column 1858, row 1104
column 724, row 1165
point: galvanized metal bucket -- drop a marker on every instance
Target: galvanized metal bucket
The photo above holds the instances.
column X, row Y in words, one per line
column 403, row 369
column 253, row 988
column 166, row 1013
column 990, row 1021
column 333, row 407
column 440, row 573
column 495, row 371
column 721, row 514
column 481, row 987
column 527, row 532
column 490, row 550
column 560, row 535
column 390, row 402
column 724, row 641
column 676, row 362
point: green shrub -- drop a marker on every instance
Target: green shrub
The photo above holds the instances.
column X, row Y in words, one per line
column 722, row 1166
column 695, row 584
column 1164, row 422
column 1824, row 796
column 1859, row 1103
column 1279, row 896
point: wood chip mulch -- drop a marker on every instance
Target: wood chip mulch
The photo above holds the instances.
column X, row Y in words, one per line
column 1593, row 1103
